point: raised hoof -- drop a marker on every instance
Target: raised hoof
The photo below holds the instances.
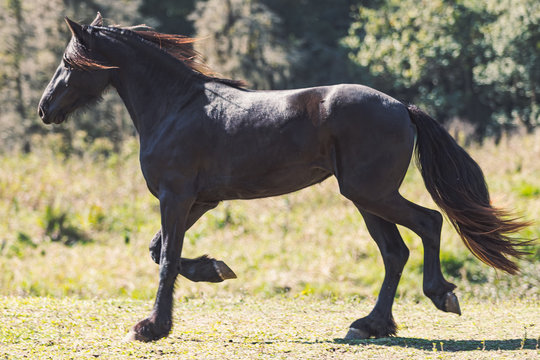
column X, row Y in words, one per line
column 206, row 269
column 451, row 303
column 356, row 334
column 223, row 270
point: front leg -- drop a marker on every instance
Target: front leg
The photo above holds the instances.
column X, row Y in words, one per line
column 174, row 208
column 203, row 268
column 197, row 210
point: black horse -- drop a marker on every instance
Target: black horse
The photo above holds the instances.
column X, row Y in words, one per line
column 205, row 139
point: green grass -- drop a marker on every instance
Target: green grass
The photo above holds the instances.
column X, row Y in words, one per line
column 276, row 328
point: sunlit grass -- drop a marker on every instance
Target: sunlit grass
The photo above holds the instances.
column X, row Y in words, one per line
column 254, row 328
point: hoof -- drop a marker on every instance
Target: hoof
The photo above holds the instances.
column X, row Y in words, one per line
column 148, row 330
column 205, row 269
column 371, row 326
column 223, row 270
column 451, row 303
column 356, row 334
column 133, row 336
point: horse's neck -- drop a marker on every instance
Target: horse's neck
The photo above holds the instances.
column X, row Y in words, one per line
column 150, row 96
column 149, row 82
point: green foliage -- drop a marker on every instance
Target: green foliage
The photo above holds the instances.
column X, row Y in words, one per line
column 244, row 40
column 34, row 36
column 449, row 56
column 528, row 190
column 18, row 247
column 513, row 72
column 315, row 28
column 169, row 16
column 59, row 228
column 305, row 36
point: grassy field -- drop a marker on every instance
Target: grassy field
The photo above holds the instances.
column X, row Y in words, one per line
column 76, row 229
column 276, row 328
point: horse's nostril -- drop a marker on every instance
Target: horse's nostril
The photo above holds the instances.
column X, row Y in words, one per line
column 42, row 114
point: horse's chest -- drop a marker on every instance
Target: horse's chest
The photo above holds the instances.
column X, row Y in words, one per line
column 169, row 167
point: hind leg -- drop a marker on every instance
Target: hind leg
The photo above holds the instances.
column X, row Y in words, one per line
column 380, row 322
column 427, row 224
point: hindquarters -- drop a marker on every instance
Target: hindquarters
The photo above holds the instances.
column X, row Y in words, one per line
column 374, row 140
column 374, row 144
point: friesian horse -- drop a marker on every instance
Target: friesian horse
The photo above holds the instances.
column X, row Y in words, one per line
column 204, row 139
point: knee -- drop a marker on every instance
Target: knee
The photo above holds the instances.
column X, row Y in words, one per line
column 169, row 269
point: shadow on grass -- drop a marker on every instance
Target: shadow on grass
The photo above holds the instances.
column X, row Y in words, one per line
column 426, row 344
column 448, row 345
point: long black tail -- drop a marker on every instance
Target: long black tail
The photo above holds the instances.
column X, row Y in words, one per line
column 457, row 185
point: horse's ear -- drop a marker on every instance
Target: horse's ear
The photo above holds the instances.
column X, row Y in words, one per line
column 98, row 21
column 76, row 29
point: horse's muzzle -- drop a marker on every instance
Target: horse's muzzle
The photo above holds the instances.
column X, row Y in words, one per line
column 43, row 114
column 50, row 117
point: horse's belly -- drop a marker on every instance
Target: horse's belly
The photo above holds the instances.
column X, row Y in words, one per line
column 277, row 182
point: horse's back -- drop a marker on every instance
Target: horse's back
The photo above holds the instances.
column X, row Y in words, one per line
column 336, row 108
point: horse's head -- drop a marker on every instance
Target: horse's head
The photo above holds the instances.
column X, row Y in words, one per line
column 80, row 78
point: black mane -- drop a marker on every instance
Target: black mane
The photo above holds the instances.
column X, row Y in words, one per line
column 177, row 46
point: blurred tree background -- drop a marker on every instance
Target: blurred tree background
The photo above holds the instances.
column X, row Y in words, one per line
column 475, row 62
